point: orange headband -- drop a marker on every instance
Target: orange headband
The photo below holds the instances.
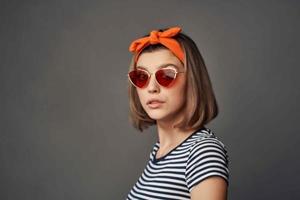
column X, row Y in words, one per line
column 164, row 38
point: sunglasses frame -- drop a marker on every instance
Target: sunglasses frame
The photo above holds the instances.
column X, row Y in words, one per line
column 150, row 74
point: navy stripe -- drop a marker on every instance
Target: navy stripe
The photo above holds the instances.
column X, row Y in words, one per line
column 198, row 157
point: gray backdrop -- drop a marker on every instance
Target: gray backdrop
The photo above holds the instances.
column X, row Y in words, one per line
column 65, row 132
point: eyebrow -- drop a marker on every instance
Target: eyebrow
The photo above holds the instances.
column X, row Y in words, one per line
column 161, row 66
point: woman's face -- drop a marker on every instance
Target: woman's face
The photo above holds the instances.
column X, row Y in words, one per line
column 173, row 98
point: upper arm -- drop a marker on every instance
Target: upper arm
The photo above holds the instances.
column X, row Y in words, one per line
column 212, row 188
column 207, row 171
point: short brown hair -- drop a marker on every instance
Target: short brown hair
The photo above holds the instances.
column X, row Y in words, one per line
column 201, row 104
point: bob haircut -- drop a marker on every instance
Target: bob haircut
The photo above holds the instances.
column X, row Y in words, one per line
column 200, row 105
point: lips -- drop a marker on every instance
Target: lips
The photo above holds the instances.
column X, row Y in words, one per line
column 154, row 101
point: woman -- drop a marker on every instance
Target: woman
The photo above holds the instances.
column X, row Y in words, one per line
column 169, row 87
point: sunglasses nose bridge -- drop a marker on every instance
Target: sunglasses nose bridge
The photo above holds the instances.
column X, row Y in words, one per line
column 150, row 81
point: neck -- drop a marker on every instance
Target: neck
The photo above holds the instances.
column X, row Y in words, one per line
column 169, row 136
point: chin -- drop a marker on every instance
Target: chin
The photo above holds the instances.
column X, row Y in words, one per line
column 159, row 116
column 156, row 115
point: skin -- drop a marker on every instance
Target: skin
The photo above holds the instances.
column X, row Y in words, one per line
column 213, row 188
column 174, row 97
column 170, row 112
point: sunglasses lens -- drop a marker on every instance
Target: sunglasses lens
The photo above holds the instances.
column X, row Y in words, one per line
column 139, row 78
column 165, row 76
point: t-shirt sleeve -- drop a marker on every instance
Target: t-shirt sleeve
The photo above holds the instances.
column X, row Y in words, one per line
column 208, row 157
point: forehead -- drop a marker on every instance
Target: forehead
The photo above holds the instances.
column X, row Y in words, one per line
column 157, row 59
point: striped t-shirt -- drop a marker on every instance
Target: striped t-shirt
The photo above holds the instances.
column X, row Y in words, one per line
column 173, row 175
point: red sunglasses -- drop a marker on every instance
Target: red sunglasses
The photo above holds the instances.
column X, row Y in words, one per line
column 164, row 77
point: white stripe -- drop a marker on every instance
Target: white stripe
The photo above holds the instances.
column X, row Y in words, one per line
column 205, row 176
column 206, row 165
column 176, row 187
column 158, row 190
column 178, row 170
column 165, row 170
column 199, row 159
column 167, row 165
column 155, row 195
column 182, row 176
column 163, row 179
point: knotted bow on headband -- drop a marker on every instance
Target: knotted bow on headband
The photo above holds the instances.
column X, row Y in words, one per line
column 164, row 38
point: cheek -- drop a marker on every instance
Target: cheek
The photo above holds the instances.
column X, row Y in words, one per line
column 180, row 93
column 141, row 96
column 177, row 97
column 180, row 88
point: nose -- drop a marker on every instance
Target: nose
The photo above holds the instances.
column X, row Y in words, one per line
column 153, row 86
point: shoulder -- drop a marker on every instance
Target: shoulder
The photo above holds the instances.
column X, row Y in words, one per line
column 207, row 140
column 207, row 157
